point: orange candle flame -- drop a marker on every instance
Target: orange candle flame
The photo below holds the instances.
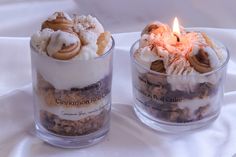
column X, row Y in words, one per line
column 176, row 28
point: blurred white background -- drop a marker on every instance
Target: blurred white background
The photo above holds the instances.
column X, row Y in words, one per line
column 23, row 17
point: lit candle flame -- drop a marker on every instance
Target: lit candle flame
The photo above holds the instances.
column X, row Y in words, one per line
column 176, row 28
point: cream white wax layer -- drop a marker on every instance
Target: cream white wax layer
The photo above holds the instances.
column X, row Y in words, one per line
column 64, row 75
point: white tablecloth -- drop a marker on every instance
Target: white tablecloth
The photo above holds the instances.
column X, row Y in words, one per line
column 127, row 137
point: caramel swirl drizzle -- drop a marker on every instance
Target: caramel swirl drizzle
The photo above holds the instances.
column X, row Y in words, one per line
column 200, row 61
column 60, row 21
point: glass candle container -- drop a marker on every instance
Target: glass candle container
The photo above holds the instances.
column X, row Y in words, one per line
column 72, row 98
column 176, row 103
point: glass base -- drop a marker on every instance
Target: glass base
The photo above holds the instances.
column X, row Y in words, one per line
column 173, row 128
column 72, row 141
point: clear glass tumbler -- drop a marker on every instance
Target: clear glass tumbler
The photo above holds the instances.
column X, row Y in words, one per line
column 72, row 99
column 160, row 104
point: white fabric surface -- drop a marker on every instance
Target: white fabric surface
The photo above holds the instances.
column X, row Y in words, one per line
column 127, row 137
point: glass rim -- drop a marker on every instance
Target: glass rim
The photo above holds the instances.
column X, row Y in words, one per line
column 132, row 51
column 109, row 51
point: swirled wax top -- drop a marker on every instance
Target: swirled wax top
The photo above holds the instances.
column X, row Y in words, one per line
column 60, row 31
column 65, row 50
column 186, row 53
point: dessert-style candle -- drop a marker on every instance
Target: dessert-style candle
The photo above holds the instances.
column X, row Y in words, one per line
column 72, row 71
column 178, row 77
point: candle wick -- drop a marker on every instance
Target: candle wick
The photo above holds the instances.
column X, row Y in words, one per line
column 177, row 37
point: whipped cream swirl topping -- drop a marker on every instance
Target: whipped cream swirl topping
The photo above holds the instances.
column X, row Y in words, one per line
column 64, row 38
column 179, row 56
column 187, row 53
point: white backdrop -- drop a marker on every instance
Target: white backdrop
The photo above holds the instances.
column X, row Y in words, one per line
column 23, row 17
